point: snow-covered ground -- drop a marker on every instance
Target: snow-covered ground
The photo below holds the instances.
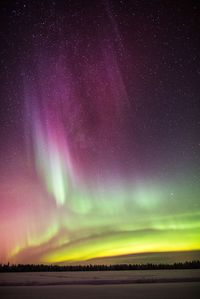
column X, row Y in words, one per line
column 162, row 284
column 99, row 277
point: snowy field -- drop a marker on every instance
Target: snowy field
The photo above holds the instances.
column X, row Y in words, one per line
column 98, row 277
column 176, row 284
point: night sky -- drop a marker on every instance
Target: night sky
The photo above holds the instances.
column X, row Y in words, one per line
column 99, row 134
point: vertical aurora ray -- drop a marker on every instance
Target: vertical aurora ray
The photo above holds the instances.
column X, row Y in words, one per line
column 52, row 164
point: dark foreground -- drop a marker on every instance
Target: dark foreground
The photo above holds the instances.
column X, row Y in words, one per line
column 190, row 290
column 169, row 284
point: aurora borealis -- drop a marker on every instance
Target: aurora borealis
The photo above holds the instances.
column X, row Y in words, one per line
column 100, row 148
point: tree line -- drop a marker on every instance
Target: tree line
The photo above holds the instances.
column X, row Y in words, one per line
column 117, row 267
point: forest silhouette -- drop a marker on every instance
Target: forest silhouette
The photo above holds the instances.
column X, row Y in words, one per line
column 117, row 267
